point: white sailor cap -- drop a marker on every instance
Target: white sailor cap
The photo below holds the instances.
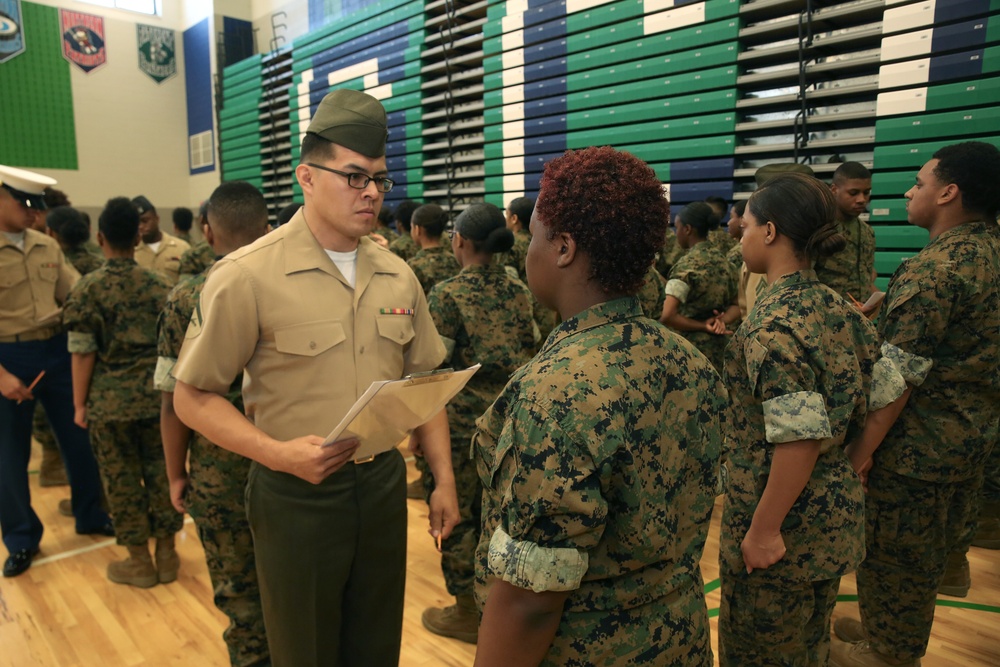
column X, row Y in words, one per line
column 25, row 186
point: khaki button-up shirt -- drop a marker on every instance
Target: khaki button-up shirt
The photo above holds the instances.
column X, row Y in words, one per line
column 310, row 343
column 166, row 260
column 34, row 283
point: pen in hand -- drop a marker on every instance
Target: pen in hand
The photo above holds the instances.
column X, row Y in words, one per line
column 32, row 385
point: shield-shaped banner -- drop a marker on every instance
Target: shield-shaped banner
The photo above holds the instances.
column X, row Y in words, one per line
column 83, row 39
column 11, row 32
column 157, row 57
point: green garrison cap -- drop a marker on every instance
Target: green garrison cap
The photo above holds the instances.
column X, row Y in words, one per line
column 769, row 171
column 352, row 119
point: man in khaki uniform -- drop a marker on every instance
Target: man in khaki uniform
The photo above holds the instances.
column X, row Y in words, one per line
column 157, row 251
column 315, row 312
column 35, row 279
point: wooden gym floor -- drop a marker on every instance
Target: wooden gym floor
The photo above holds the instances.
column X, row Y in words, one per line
column 63, row 612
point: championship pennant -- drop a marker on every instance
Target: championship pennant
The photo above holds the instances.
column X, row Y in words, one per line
column 11, row 33
column 157, row 57
column 83, row 39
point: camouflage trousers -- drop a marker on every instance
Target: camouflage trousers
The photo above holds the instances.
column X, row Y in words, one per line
column 217, row 484
column 671, row 631
column 41, row 430
column 458, row 552
column 910, row 526
column 991, row 478
column 768, row 622
column 134, row 473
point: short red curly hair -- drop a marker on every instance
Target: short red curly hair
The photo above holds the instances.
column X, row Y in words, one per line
column 613, row 206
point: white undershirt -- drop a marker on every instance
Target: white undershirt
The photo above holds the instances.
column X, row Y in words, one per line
column 347, row 262
column 155, row 247
column 16, row 238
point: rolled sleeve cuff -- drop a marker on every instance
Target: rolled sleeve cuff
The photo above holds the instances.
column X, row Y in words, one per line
column 887, row 384
column 677, row 289
column 913, row 368
column 527, row 565
column 162, row 379
column 798, row 416
column 78, row 342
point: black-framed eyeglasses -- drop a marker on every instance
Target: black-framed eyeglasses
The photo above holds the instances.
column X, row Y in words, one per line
column 357, row 180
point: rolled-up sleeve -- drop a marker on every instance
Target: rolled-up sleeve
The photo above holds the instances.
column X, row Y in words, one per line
column 888, row 383
column 528, row 565
column 912, row 367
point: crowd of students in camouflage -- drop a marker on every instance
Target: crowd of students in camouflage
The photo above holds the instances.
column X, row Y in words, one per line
column 621, row 362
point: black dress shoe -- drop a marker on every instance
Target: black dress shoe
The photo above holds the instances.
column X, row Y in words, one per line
column 18, row 562
column 108, row 530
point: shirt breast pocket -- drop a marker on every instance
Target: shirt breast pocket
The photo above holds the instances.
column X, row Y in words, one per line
column 48, row 272
column 309, row 340
column 11, row 276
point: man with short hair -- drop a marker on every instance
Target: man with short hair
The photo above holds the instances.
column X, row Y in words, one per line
column 157, row 250
column 34, row 364
column 315, row 312
column 183, row 219
column 940, row 326
column 212, row 492
column 404, row 246
column 851, row 272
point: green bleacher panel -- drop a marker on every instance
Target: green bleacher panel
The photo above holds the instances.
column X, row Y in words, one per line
column 248, row 117
column 231, row 111
column 232, row 155
column 357, row 23
column 900, row 237
column 249, row 63
column 914, row 155
column 650, row 151
column 889, row 184
column 608, row 46
column 605, row 113
column 948, row 124
column 964, row 94
column 882, row 283
column 242, row 163
column 886, row 262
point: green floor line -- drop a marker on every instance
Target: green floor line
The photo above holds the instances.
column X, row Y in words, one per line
column 713, row 585
column 940, row 603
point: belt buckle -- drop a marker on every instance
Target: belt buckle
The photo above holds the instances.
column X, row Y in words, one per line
column 367, row 459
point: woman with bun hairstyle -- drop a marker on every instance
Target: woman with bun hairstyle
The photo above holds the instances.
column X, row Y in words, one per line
column 701, row 293
column 803, row 371
column 484, row 317
column 67, row 226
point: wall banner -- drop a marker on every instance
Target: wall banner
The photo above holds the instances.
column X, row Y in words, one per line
column 157, row 57
column 11, row 32
column 83, row 39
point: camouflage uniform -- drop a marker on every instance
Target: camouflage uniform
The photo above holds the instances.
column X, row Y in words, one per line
column 216, row 484
column 515, row 257
column 184, row 236
column 404, row 247
column 672, row 251
column 804, row 366
column 940, row 324
column 702, row 282
column 388, row 234
column 432, row 265
column 722, row 240
column 599, row 466
column 83, row 260
column 196, row 259
column 735, row 259
column 651, row 294
column 484, row 317
column 112, row 312
column 850, row 270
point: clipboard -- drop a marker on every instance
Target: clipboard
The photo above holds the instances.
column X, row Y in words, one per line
column 389, row 410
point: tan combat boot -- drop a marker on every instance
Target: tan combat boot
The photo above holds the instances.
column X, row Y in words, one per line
column 957, row 579
column 51, row 472
column 167, row 560
column 988, row 533
column 460, row 621
column 136, row 570
column 862, row 654
column 849, row 630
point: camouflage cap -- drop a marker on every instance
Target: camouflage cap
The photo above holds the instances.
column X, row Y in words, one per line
column 769, row 171
column 352, row 119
